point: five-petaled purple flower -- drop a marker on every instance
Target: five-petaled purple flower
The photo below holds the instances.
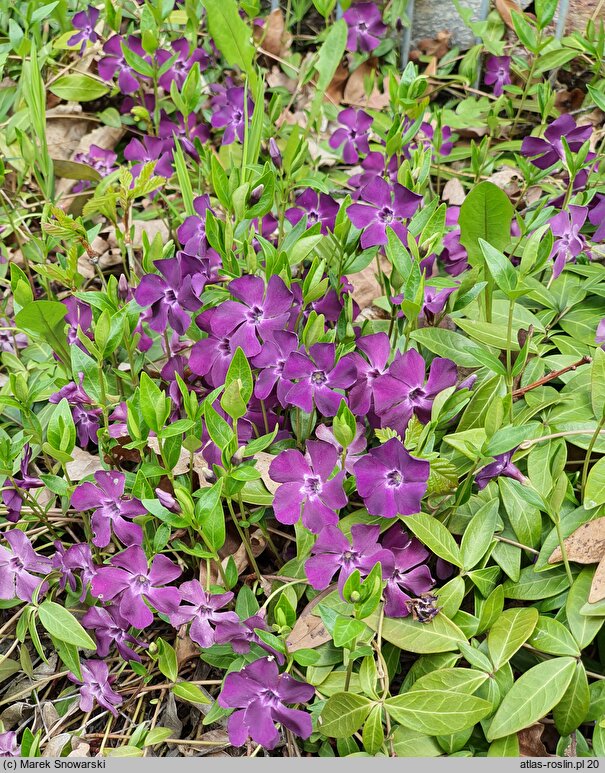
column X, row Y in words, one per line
column 377, row 349
column 402, row 391
column 84, row 22
column 231, row 114
column 111, row 508
column 306, row 486
column 366, row 28
column 333, row 552
column 241, row 634
column 110, row 627
column 502, row 465
column 201, row 610
column 115, row 62
column 150, row 149
column 385, row 206
column 319, row 375
column 184, row 60
column 8, row 744
column 569, row 242
column 95, row 686
column 497, row 73
column 12, row 487
column 132, row 581
column 271, row 361
column 548, row 151
column 260, row 694
column 353, row 134
column 404, row 570
column 192, row 233
column 390, row 481
column 19, row 567
column 318, row 207
column 77, row 557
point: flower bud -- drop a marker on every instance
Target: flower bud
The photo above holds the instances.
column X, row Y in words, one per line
column 256, row 194
column 167, row 500
column 274, row 153
column 123, row 288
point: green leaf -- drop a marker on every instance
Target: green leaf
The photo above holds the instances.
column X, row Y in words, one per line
column 508, row 746
column 44, row 320
column 157, row 735
column 486, row 213
column 499, row 267
column 594, row 494
column 78, row 87
column 435, row 536
column 63, row 625
column 479, row 534
column 190, row 693
column 525, row 519
column 343, row 714
column 154, row 405
column 239, row 370
column 346, row 630
column 510, row 631
column 583, row 627
column 439, row 635
column 219, row 430
column 373, row 731
column 435, row 712
column 597, row 382
column 458, row 680
column 552, row 637
column 532, row 696
column 167, row 661
column 411, row 743
column 535, row 586
column 464, row 352
column 8, row 667
column 210, row 516
column 572, row 709
column 231, row 35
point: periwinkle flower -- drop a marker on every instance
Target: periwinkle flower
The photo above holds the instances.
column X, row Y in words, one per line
column 111, row 509
column 366, row 28
column 318, row 207
column 184, row 59
column 172, row 294
column 271, row 361
column 231, row 113
column 318, row 377
column 377, row 350
column 454, row 255
column 131, row 581
column 201, row 609
column 402, row 391
column 147, row 150
column 384, row 206
column 275, row 154
column 115, row 62
column 110, row 627
column 241, row 634
column 502, row 465
column 84, row 22
column 184, row 132
column 332, row 303
column 104, row 161
column 307, row 488
column 355, row 449
column 8, row 744
column 76, row 558
column 543, row 153
column 497, row 73
column 596, row 216
column 404, row 570
column 260, row 693
column 353, row 135
column 426, row 138
column 95, row 687
column 390, row 481
column 19, row 567
column 10, row 339
column 600, row 334
column 79, row 315
column 257, row 313
column 435, row 301
column 569, row 242
column 23, row 481
column 192, row 233
column 87, row 419
column 333, row 552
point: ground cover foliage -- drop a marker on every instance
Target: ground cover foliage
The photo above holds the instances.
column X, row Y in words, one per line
column 302, row 382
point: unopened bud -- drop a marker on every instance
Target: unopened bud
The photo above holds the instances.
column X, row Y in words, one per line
column 355, row 596
column 256, row 194
column 123, row 288
column 274, row 153
column 167, row 500
column 238, row 456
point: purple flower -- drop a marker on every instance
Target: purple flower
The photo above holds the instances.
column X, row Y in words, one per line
column 149, row 150
column 425, row 138
column 404, row 571
column 231, row 114
column 435, row 302
column 390, row 481
column 192, row 233
column 115, row 62
column 377, row 349
column 318, row 207
column 96, row 687
column 569, row 242
column 385, row 205
column 333, row 552
column 77, row 557
column 79, row 315
column 8, row 744
column 366, row 29
column 497, row 73
column 241, row 634
column 256, row 314
column 134, row 582
column 110, row 627
column 84, row 22
column 548, row 151
column 178, row 289
column 271, row 361
column 111, row 509
column 501, row 465
column 355, row 450
column 275, row 154
column 332, row 303
column 98, row 158
column 185, row 132
column 201, row 610
column 600, row 334
column 402, row 391
column 354, row 135
column 184, row 60
column 11, row 497
column 307, row 487
column 260, row 694
column 10, row 339
column 597, row 217
column 18, row 567
column 318, row 377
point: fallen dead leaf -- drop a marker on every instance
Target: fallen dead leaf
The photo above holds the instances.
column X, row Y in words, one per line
column 273, row 36
column 309, row 631
column 185, row 649
column 335, row 90
column 366, row 288
column 530, row 741
column 568, row 101
column 200, row 466
column 79, row 748
column 597, row 587
column 437, row 46
column 585, row 546
column 56, row 744
column 355, row 92
column 263, row 462
column 507, row 178
column 83, row 464
column 453, row 192
column 505, row 8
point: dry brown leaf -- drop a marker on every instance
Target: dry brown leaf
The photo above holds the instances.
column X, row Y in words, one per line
column 597, row 587
column 507, row 178
column 335, row 91
column 309, row 630
column 56, row 745
column 437, row 46
column 273, row 36
column 530, row 741
column 453, row 192
column 585, row 546
column 366, row 288
column 79, row 748
column 83, row 464
column 355, row 89
column 504, row 8
column 263, row 462
column 184, row 647
column 568, row 101
column 200, row 465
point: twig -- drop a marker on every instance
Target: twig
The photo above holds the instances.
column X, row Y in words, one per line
column 550, row 376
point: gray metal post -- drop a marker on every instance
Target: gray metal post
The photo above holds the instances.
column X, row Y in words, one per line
column 407, row 34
